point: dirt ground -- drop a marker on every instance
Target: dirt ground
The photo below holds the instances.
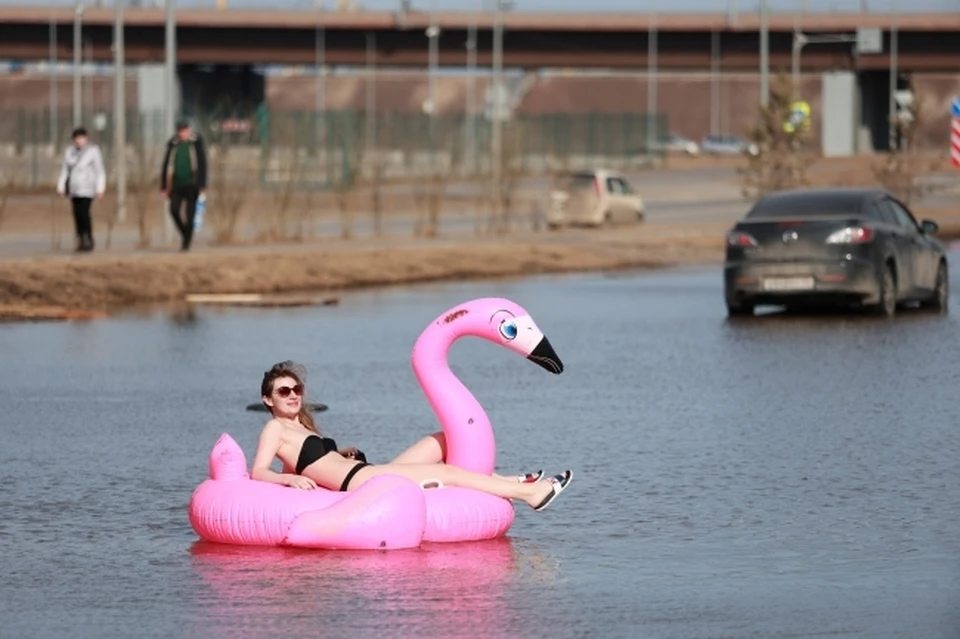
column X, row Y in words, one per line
column 57, row 284
column 76, row 287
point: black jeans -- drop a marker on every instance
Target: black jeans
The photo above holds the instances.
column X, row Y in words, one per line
column 178, row 196
column 81, row 220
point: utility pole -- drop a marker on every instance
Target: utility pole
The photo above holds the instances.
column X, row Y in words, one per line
column 892, row 122
column 764, row 56
column 170, row 67
column 119, row 110
column 320, row 51
column 715, row 82
column 471, row 125
column 170, row 89
column 433, row 33
column 77, row 61
column 799, row 40
column 54, row 80
column 371, row 106
column 651, row 83
column 496, row 152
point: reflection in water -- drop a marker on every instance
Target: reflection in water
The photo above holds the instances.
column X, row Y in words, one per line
column 298, row 592
column 183, row 314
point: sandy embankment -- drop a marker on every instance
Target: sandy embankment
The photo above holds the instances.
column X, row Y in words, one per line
column 94, row 285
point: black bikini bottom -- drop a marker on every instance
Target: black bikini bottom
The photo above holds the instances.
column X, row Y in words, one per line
column 353, row 471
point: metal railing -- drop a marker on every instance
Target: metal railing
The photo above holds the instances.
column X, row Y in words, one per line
column 334, row 150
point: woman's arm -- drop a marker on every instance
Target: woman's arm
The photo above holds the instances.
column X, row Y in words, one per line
column 100, row 170
column 62, row 178
column 267, row 448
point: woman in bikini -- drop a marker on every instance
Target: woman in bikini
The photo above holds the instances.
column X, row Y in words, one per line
column 311, row 460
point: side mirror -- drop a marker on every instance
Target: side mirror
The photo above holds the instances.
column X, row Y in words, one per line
column 929, row 227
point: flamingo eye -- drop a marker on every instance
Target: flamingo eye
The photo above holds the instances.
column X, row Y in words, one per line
column 508, row 329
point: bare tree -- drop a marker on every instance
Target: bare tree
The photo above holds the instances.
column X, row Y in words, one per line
column 345, row 136
column 229, row 187
column 232, row 167
column 511, row 165
column 780, row 162
column 144, row 183
column 906, row 163
column 305, row 215
column 290, row 170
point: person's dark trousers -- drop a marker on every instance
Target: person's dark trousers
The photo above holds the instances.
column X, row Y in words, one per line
column 81, row 220
column 180, row 195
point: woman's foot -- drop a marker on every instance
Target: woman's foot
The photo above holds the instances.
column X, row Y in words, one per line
column 530, row 478
column 555, row 485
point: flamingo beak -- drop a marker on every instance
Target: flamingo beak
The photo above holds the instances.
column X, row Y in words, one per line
column 544, row 356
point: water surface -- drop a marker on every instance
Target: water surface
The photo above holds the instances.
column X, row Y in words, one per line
column 773, row 477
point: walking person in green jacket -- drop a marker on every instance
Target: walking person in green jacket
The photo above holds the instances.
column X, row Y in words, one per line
column 183, row 178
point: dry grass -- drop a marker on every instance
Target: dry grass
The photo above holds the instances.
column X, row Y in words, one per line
column 99, row 283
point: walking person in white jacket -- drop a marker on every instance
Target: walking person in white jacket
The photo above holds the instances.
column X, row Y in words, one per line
column 82, row 178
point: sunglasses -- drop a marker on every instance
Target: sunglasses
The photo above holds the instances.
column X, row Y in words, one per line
column 284, row 391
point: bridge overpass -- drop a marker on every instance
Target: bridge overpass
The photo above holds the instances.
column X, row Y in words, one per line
column 926, row 42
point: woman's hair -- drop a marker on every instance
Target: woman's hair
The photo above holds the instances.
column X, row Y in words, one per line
column 297, row 372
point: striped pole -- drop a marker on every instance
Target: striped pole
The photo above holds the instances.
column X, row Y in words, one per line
column 955, row 143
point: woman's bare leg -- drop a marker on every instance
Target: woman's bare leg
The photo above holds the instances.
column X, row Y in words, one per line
column 432, row 449
column 532, row 494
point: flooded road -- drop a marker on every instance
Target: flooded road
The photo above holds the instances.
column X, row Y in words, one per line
column 771, row 477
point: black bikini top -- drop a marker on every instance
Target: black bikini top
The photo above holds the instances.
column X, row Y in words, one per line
column 314, row 447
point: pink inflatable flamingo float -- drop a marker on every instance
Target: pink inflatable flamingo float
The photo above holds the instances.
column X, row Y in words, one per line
column 388, row 511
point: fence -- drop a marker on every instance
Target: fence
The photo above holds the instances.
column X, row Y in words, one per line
column 334, row 150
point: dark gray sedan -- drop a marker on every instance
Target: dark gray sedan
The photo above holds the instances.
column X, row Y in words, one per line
column 858, row 247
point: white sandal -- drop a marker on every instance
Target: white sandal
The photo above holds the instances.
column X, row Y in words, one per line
column 559, row 484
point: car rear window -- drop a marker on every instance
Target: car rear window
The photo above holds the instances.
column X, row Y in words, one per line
column 807, row 205
column 582, row 181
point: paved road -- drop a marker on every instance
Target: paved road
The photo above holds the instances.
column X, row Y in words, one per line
column 708, row 195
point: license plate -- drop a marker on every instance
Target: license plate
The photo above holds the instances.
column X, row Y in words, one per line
column 787, row 283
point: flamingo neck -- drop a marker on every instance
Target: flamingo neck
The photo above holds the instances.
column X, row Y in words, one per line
column 469, row 435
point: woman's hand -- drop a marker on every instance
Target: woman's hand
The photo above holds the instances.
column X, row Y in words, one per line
column 349, row 453
column 299, row 481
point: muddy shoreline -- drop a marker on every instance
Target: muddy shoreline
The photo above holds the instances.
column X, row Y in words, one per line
column 96, row 285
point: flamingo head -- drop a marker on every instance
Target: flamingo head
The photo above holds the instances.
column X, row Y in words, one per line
column 512, row 327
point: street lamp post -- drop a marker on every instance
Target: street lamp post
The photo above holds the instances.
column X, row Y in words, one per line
column 119, row 111
column 77, row 61
column 170, row 66
column 371, row 104
column 320, row 49
column 892, row 108
column 764, row 56
column 651, row 84
column 495, row 136
column 170, row 82
column 800, row 40
column 433, row 33
column 54, row 80
column 715, row 83
column 470, row 128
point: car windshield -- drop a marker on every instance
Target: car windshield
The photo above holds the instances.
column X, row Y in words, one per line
column 807, row 205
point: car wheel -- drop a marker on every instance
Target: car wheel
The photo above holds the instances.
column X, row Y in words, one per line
column 887, row 304
column 941, row 291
